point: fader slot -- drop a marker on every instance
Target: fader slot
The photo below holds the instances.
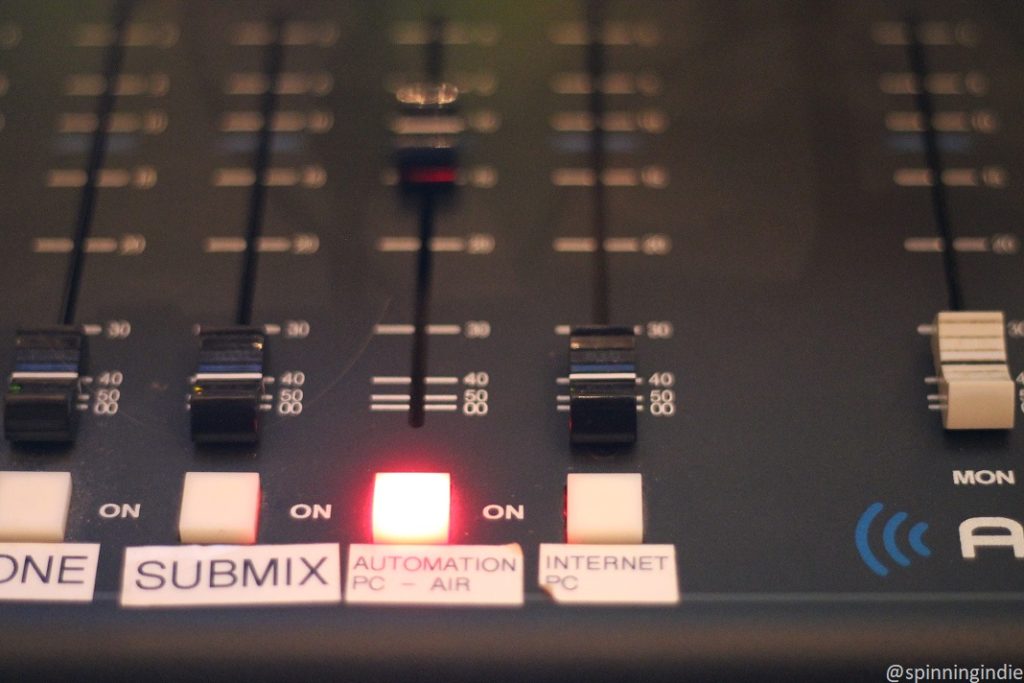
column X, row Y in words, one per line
column 933, row 160
column 975, row 387
column 602, row 357
column 42, row 401
column 426, row 154
column 226, row 399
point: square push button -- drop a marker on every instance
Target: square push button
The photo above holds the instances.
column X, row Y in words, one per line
column 604, row 508
column 411, row 507
column 34, row 506
column 220, row 507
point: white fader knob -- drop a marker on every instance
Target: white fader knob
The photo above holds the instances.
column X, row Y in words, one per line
column 976, row 390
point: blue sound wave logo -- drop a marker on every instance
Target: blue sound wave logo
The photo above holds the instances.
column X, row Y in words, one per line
column 889, row 534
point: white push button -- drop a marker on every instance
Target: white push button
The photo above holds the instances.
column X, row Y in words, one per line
column 604, row 508
column 220, row 507
column 34, row 506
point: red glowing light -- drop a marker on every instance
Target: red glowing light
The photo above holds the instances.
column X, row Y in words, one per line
column 411, row 507
column 429, row 176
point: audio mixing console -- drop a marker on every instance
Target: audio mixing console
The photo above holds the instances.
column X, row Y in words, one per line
column 453, row 340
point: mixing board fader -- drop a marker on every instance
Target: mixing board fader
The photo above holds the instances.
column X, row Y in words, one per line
column 582, row 338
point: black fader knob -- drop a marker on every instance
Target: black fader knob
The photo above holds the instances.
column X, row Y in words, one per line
column 602, row 385
column 427, row 136
column 41, row 403
column 225, row 400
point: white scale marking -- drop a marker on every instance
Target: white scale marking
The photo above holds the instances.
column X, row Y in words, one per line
column 923, row 244
column 945, row 83
column 454, row 33
column 412, row 244
column 382, row 398
column 971, row 244
column 445, row 244
column 650, row 176
column 395, row 380
column 126, row 85
column 307, row 176
column 295, row 33
column 141, row 177
column 401, row 407
column 127, row 245
column 612, row 33
column 137, row 34
column 151, row 122
column 303, row 243
column 622, row 244
column 393, row 329
column 315, row 121
column 274, row 244
column 427, row 125
column 383, row 381
column 651, row 121
column 613, row 83
column 224, row 244
column 398, row 244
column 402, row 329
column 934, row 33
column 575, row 244
column 288, row 83
column 944, row 122
column 975, row 245
column 989, row 176
column 104, row 245
column 586, row 245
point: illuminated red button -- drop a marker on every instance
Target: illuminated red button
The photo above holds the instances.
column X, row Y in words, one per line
column 411, row 507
